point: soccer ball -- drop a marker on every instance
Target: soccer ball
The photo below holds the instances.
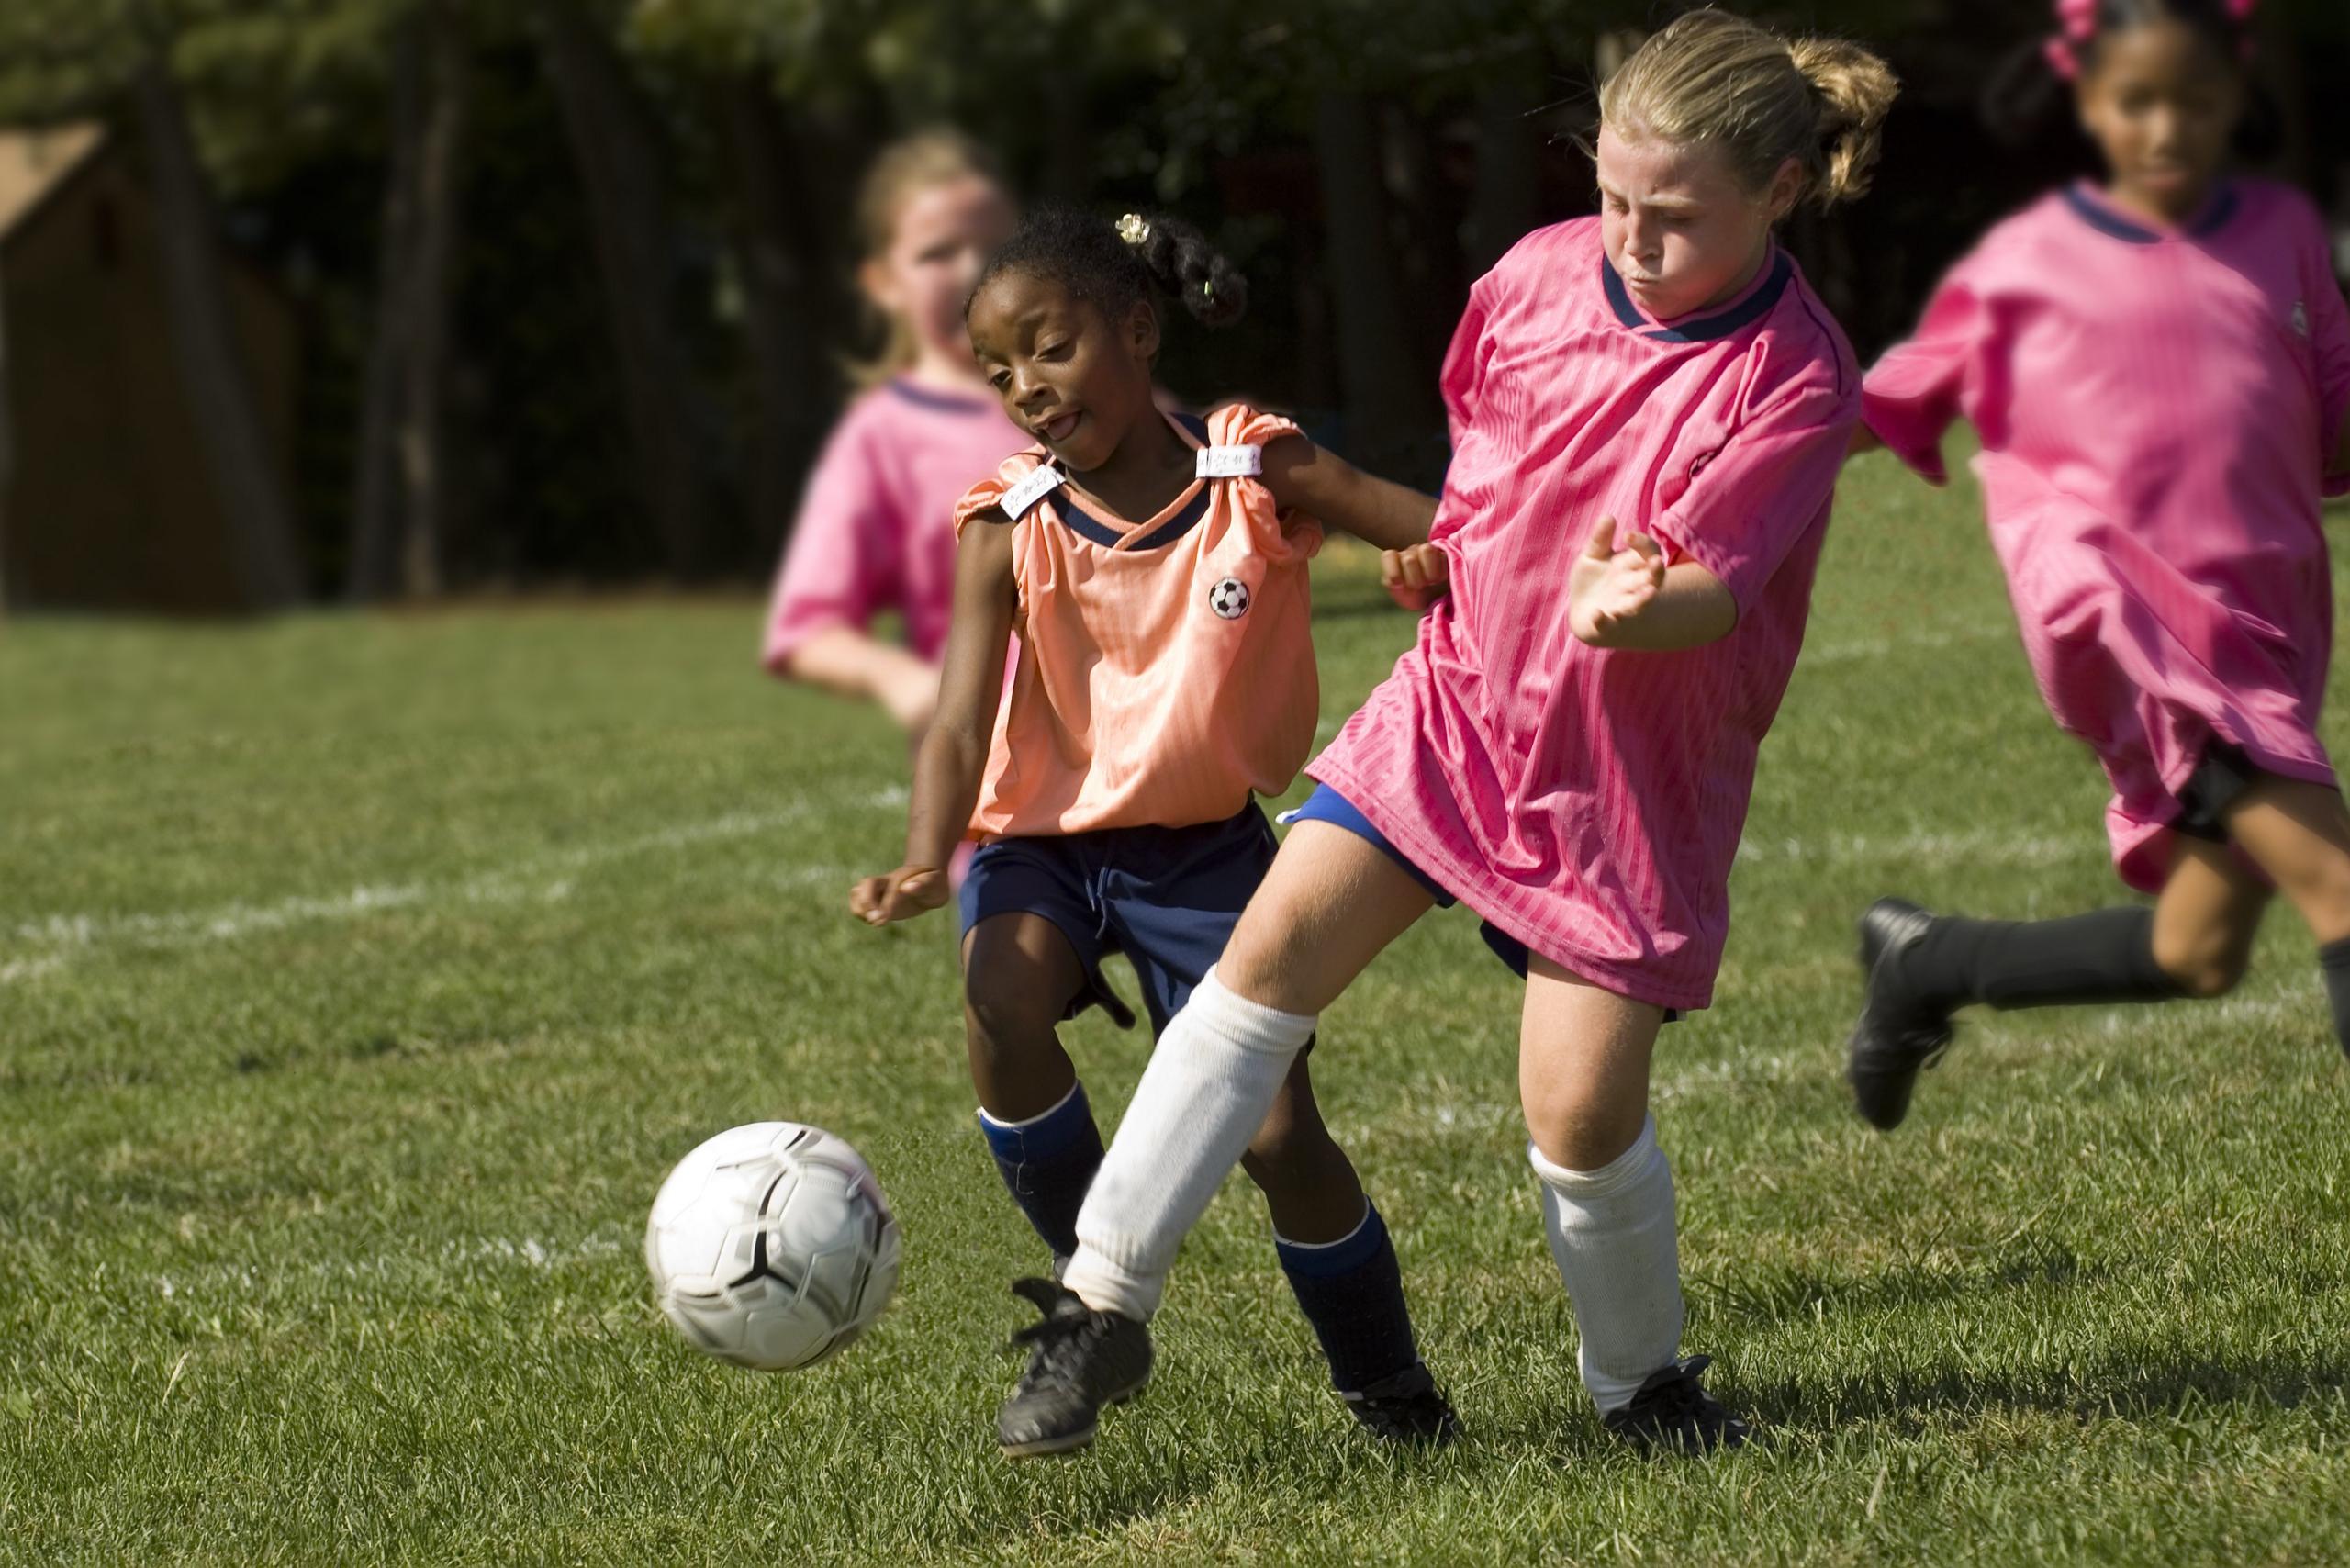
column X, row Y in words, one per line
column 1229, row 599
column 771, row 1246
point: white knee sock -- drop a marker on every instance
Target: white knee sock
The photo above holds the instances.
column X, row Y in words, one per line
column 1202, row 1097
column 1612, row 1232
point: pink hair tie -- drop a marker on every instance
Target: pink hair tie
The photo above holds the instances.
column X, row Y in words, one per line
column 2076, row 26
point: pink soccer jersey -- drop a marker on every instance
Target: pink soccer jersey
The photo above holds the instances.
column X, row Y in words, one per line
column 876, row 530
column 2156, row 409
column 1588, row 801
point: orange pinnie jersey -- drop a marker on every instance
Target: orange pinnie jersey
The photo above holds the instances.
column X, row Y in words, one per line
column 1165, row 666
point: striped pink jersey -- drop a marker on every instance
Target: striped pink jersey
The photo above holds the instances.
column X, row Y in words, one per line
column 876, row 531
column 2156, row 407
column 1588, row 801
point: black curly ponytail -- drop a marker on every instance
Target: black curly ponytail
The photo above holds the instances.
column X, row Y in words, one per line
column 1114, row 265
column 1181, row 263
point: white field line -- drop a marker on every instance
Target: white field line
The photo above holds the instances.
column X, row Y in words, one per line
column 538, row 878
column 526, row 1253
column 1856, row 648
column 1935, row 848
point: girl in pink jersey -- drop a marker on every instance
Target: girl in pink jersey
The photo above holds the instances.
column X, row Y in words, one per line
column 2159, row 369
column 874, row 530
column 1153, row 567
column 1649, row 408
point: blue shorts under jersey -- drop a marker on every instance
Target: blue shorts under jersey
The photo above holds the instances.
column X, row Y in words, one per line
column 1166, row 897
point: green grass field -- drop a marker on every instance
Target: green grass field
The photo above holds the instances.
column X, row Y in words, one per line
column 361, row 976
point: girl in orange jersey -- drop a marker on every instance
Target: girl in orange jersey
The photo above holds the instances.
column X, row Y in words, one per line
column 1153, row 567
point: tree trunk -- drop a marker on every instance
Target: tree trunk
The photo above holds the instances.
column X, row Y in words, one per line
column 628, row 212
column 787, row 292
column 1508, row 201
column 246, row 475
column 423, row 445
column 401, row 501
column 1387, row 407
column 378, row 505
column 7, row 449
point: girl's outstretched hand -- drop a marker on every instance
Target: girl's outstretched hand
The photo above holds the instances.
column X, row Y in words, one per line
column 905, row 893
column 1415, row 576
column 1614, row 581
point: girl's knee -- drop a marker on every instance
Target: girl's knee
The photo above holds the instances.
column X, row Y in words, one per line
column 2202, row 942
column 1004, row 1008
column 1577, row 1134
column 1256, row 962
column 2204, row 964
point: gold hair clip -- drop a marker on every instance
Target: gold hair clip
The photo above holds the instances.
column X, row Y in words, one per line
column 1133, row 230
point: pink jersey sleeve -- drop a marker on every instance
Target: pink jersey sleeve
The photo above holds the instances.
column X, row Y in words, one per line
column 2330, row 337
column 842, row 567
column 1765, row 488
column 1912, row 393
column 1463, row 378
column 1280, row 535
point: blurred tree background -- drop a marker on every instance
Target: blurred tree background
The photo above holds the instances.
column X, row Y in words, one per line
column 571, row 277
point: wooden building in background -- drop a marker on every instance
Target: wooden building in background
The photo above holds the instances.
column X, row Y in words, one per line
column 106, row 502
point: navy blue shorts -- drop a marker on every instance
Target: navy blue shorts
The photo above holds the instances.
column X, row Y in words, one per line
column 1166, row 897
column 1326, row 805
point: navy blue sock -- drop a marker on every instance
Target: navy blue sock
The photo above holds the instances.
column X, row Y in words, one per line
column 1046, row 1163
column 1352, row 1291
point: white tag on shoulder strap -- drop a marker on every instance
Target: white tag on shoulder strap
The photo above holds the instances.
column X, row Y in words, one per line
column 1042, row 481
column 1229, row 463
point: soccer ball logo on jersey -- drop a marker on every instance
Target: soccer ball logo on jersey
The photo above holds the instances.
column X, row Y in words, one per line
column 2301, row 318
column 1229, row 599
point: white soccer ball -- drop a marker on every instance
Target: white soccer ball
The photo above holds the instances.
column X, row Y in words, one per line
column 771, row 1246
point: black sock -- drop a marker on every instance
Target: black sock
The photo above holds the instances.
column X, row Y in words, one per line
column 1352, row 1292
column 2333, row 962
column 1046, row 1163
column 2105, row 956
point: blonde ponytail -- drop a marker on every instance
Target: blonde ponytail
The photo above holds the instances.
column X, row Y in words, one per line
column 1855, row 89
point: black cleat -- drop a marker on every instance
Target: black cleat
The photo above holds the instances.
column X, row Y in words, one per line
column 1897, row 1034
column 1673, row 1410
column 1079, row 1360
column 1407, row 1407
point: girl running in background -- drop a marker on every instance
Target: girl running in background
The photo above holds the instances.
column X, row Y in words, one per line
column 1570, row 748
column 1154, row 569
column 2159, row 369
column 874, row 532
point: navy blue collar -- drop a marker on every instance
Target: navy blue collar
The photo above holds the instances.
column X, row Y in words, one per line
column 945, row 402
column 2105, row 220
column 1719, row 325
column 1085, row 525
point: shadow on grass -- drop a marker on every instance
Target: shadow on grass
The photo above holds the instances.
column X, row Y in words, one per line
column 2124, row 1384
column 1740, row 1303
